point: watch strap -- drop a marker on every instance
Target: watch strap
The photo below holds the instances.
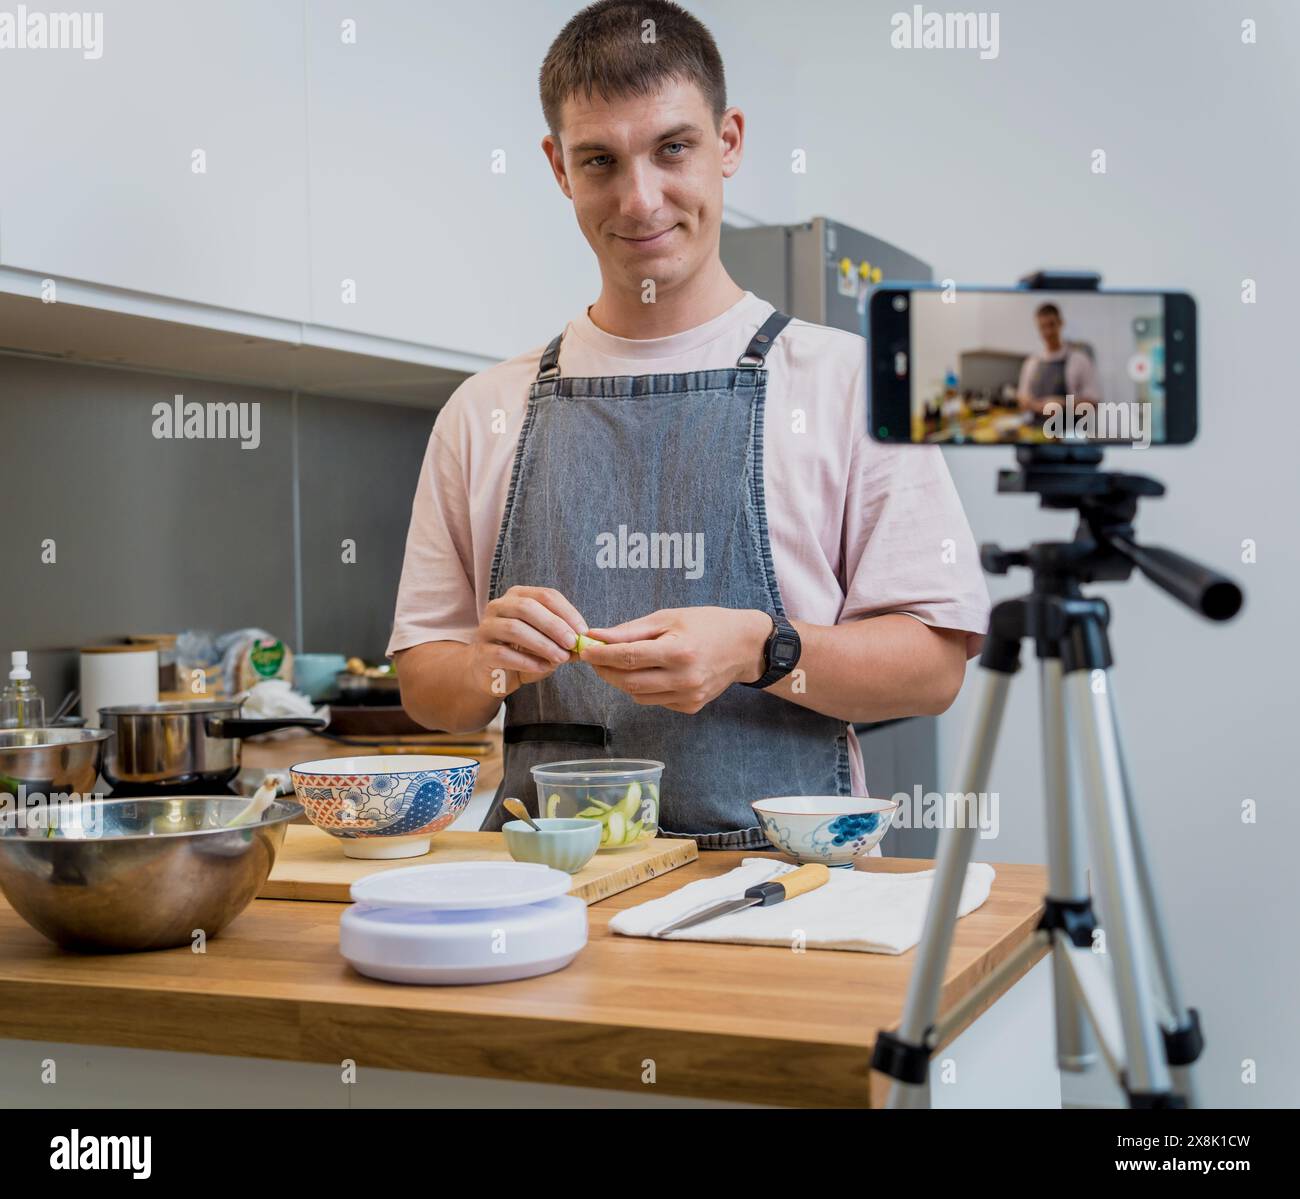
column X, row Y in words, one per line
column 775, row 672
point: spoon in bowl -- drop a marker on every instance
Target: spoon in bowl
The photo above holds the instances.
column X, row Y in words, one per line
column 515, row 808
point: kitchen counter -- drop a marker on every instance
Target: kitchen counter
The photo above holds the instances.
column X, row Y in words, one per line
column 736, row 1023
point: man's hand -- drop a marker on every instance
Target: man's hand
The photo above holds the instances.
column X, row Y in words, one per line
column 682, row 658
column 524, row 634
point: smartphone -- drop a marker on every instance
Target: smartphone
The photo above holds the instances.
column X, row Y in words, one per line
column 1022, row 366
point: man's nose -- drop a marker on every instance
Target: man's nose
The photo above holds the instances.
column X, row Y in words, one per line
column 642, row 196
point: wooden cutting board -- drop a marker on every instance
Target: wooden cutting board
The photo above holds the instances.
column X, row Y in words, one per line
column 311, row 864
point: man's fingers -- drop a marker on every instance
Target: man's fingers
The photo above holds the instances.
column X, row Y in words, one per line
column 506, row 630
column 644, row 628
column 647, row 699
column 638, row 682
column 631, row 655
column 548, row 597
column 535, row 613
column 506, row 657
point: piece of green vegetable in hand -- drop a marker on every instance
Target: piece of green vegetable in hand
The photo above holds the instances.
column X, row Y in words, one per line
column 582, row 643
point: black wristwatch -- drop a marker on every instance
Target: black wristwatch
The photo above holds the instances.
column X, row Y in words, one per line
column 781, row 654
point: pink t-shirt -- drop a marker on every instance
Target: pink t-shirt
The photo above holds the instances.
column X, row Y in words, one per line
column 857, row 528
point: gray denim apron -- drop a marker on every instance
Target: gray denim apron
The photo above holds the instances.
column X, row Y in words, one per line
column 599, row 461
column 1049, row 378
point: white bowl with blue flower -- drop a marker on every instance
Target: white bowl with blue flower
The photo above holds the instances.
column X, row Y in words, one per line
column 831, row 829
column 386, row 805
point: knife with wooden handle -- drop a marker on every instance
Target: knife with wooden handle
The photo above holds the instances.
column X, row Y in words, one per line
column 778, row 890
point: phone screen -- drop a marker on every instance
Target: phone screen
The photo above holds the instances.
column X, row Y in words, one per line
column 1015, row 366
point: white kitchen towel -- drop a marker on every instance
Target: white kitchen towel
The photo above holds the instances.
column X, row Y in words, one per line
column 857, row 909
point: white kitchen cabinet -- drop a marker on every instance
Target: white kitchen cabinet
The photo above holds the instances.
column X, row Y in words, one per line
column 406, row 124
column 381, row 178
column 96, row 155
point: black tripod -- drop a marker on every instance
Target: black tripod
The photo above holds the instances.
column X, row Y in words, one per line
column 1128, row 995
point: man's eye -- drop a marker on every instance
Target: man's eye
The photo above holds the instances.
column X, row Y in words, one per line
column 675, row 149
column 598, row 160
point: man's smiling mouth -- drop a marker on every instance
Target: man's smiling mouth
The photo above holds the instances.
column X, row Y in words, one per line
column 649, row 240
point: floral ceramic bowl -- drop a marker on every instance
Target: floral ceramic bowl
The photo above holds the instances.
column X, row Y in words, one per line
column 387, row 806
column 831, row 829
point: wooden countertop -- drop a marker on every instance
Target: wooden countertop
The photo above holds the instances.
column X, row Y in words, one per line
column 732, row 1022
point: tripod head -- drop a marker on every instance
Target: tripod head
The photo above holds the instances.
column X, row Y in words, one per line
column 1104, row 547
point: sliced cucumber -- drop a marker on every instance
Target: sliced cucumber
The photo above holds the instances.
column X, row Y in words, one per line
column 604, row 834
column 594, row 813
column 633, row 832
column 631, row 801
column 582, row 643
column 617, row 828
column 552, row 806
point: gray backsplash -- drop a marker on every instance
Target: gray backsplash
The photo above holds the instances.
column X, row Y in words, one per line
column 154, row 535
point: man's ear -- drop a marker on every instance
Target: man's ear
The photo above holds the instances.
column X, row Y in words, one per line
column 555, row 156
column 731, row 133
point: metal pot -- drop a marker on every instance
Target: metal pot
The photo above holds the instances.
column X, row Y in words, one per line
column 182, row 743
column 50, row 761
column 362, row 690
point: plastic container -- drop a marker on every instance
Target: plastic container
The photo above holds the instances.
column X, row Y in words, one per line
column 463, row 923
column 622, row 794
column 21, row 705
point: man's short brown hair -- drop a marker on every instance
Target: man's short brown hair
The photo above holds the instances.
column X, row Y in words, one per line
column 619, row 48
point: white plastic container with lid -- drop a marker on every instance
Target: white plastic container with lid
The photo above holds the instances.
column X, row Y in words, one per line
column 463, row 922
column 117, row 674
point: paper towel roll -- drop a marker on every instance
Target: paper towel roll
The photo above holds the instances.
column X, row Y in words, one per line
column 116, row 674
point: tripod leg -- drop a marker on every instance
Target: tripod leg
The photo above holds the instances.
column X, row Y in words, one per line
column 1087, row 689
column 1069, row 905
column 905, row 1055
column 1183, row 1042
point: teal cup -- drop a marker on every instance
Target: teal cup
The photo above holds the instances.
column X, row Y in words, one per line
column 314, row 674
column 567, row 845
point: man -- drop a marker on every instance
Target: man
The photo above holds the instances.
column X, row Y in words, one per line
column 684, row 476
column 1060, row 370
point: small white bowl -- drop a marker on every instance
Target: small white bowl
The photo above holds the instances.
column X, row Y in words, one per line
column 385, row 806
column 831, row 829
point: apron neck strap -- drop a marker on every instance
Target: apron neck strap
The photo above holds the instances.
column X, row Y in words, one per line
column 757, row 349
column 549, row 367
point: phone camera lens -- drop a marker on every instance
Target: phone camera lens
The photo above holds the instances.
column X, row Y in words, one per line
column 900, row 303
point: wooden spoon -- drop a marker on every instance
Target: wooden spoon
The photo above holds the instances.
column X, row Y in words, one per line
column 515, row 808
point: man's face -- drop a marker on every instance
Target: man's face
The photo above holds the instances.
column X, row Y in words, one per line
column 645, row 176
column 1049, row 327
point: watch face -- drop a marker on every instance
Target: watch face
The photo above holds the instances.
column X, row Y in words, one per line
column 784, row 652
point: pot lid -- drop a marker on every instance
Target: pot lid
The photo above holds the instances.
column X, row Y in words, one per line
column 462, row 886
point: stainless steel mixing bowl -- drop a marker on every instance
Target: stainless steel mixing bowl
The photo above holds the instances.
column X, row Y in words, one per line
column 46, row 761
column 132, row 874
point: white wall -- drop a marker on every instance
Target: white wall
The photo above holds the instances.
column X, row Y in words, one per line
column 983, row 169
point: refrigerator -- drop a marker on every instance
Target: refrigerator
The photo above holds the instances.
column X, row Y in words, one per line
column 817, row 271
